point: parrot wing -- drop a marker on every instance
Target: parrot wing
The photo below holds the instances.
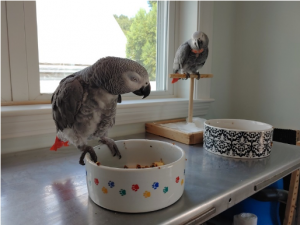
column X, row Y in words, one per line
column 180, row 56
column 66, row 102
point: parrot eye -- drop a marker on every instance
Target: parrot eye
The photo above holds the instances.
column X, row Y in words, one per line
column 134, row 79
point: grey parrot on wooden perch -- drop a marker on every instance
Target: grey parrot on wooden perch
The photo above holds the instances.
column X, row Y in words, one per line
column 191, row 55
column 84, row 104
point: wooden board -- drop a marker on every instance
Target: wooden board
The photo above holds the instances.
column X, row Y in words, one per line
column 292, row 198
column 176, row 135
column 293, row 188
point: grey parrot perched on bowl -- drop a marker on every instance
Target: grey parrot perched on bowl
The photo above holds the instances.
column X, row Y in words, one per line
column 84, row 104
column 191, row 55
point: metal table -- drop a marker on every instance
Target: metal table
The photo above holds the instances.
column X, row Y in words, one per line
column 46, row 187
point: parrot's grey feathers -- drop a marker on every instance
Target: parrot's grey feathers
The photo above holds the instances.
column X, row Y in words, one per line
column 84, row 104
column 191, row 55
column 66, row 102
column 180, row 56
column 193, row 62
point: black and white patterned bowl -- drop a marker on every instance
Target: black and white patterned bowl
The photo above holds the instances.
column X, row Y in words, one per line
column 238, row 138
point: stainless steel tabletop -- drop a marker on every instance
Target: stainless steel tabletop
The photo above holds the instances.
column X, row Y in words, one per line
column 46, row 187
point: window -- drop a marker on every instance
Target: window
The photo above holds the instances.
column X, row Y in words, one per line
column 57, row 42
column 23, row 126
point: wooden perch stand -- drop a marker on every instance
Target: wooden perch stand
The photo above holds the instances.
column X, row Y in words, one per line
column 186, row 138
column 192, row 77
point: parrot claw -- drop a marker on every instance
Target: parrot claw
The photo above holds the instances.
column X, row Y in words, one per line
column 187, row 76
column 112, row 146
column 198, row 78
column 87, row 149
column 81, row 161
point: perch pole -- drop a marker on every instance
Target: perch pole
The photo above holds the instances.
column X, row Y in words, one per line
column 192, row 77
column 191, row 100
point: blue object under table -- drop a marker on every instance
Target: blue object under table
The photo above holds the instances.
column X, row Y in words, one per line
column 46, row 187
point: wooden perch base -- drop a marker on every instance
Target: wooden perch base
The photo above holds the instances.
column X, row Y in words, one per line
column 176, row 135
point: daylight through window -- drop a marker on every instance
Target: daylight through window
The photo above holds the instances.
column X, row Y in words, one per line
column 70, row 40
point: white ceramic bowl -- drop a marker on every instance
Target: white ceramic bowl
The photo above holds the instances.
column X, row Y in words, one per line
column 238, row 138
column 136, row 190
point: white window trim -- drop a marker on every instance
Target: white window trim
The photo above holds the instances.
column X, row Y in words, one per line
column 21, row 123
column 5, row 68
column 29, row 127
column 205, row 13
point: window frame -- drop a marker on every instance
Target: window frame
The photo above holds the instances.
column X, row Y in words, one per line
column 6, row 94
column 24, row 60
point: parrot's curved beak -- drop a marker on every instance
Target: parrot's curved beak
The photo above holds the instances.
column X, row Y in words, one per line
column 200, row 44
column 143, row 91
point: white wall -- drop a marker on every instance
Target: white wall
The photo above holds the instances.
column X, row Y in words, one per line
column 267, row 54
column 256, row 62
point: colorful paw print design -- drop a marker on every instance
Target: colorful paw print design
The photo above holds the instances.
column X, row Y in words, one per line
column 177, row 179
column 147, row 194
column 182, row 181
column 111, row 184
column 122, row 192
column 96, row 181
column 135, row 187
column 104, row 190
column 165, row 190
column 155, row 185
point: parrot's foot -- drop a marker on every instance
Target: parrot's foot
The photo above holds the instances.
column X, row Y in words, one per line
column 87, row 149
column 198, row 78
column 111, row 145
column 187, row 76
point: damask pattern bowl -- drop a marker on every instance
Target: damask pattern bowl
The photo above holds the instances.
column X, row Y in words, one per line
column 238, row 138
column 133, row 190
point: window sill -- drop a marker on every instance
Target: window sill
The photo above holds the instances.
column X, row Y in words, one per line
column 28, row 120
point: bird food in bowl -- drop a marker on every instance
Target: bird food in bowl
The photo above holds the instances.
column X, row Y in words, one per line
column 238, row 138
column 120, row 185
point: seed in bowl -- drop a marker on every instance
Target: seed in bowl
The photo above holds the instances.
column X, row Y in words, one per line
column 155, row 164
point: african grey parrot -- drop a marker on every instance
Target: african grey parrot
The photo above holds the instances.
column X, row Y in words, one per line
column 84, row 104
column 191, row 55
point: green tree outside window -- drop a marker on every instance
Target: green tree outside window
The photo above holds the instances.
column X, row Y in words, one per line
column 140, row 32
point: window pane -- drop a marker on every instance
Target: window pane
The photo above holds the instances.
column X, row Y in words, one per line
column 72, row 36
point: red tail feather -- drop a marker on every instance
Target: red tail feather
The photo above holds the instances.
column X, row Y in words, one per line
column 175, row 80
column 58, row 144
